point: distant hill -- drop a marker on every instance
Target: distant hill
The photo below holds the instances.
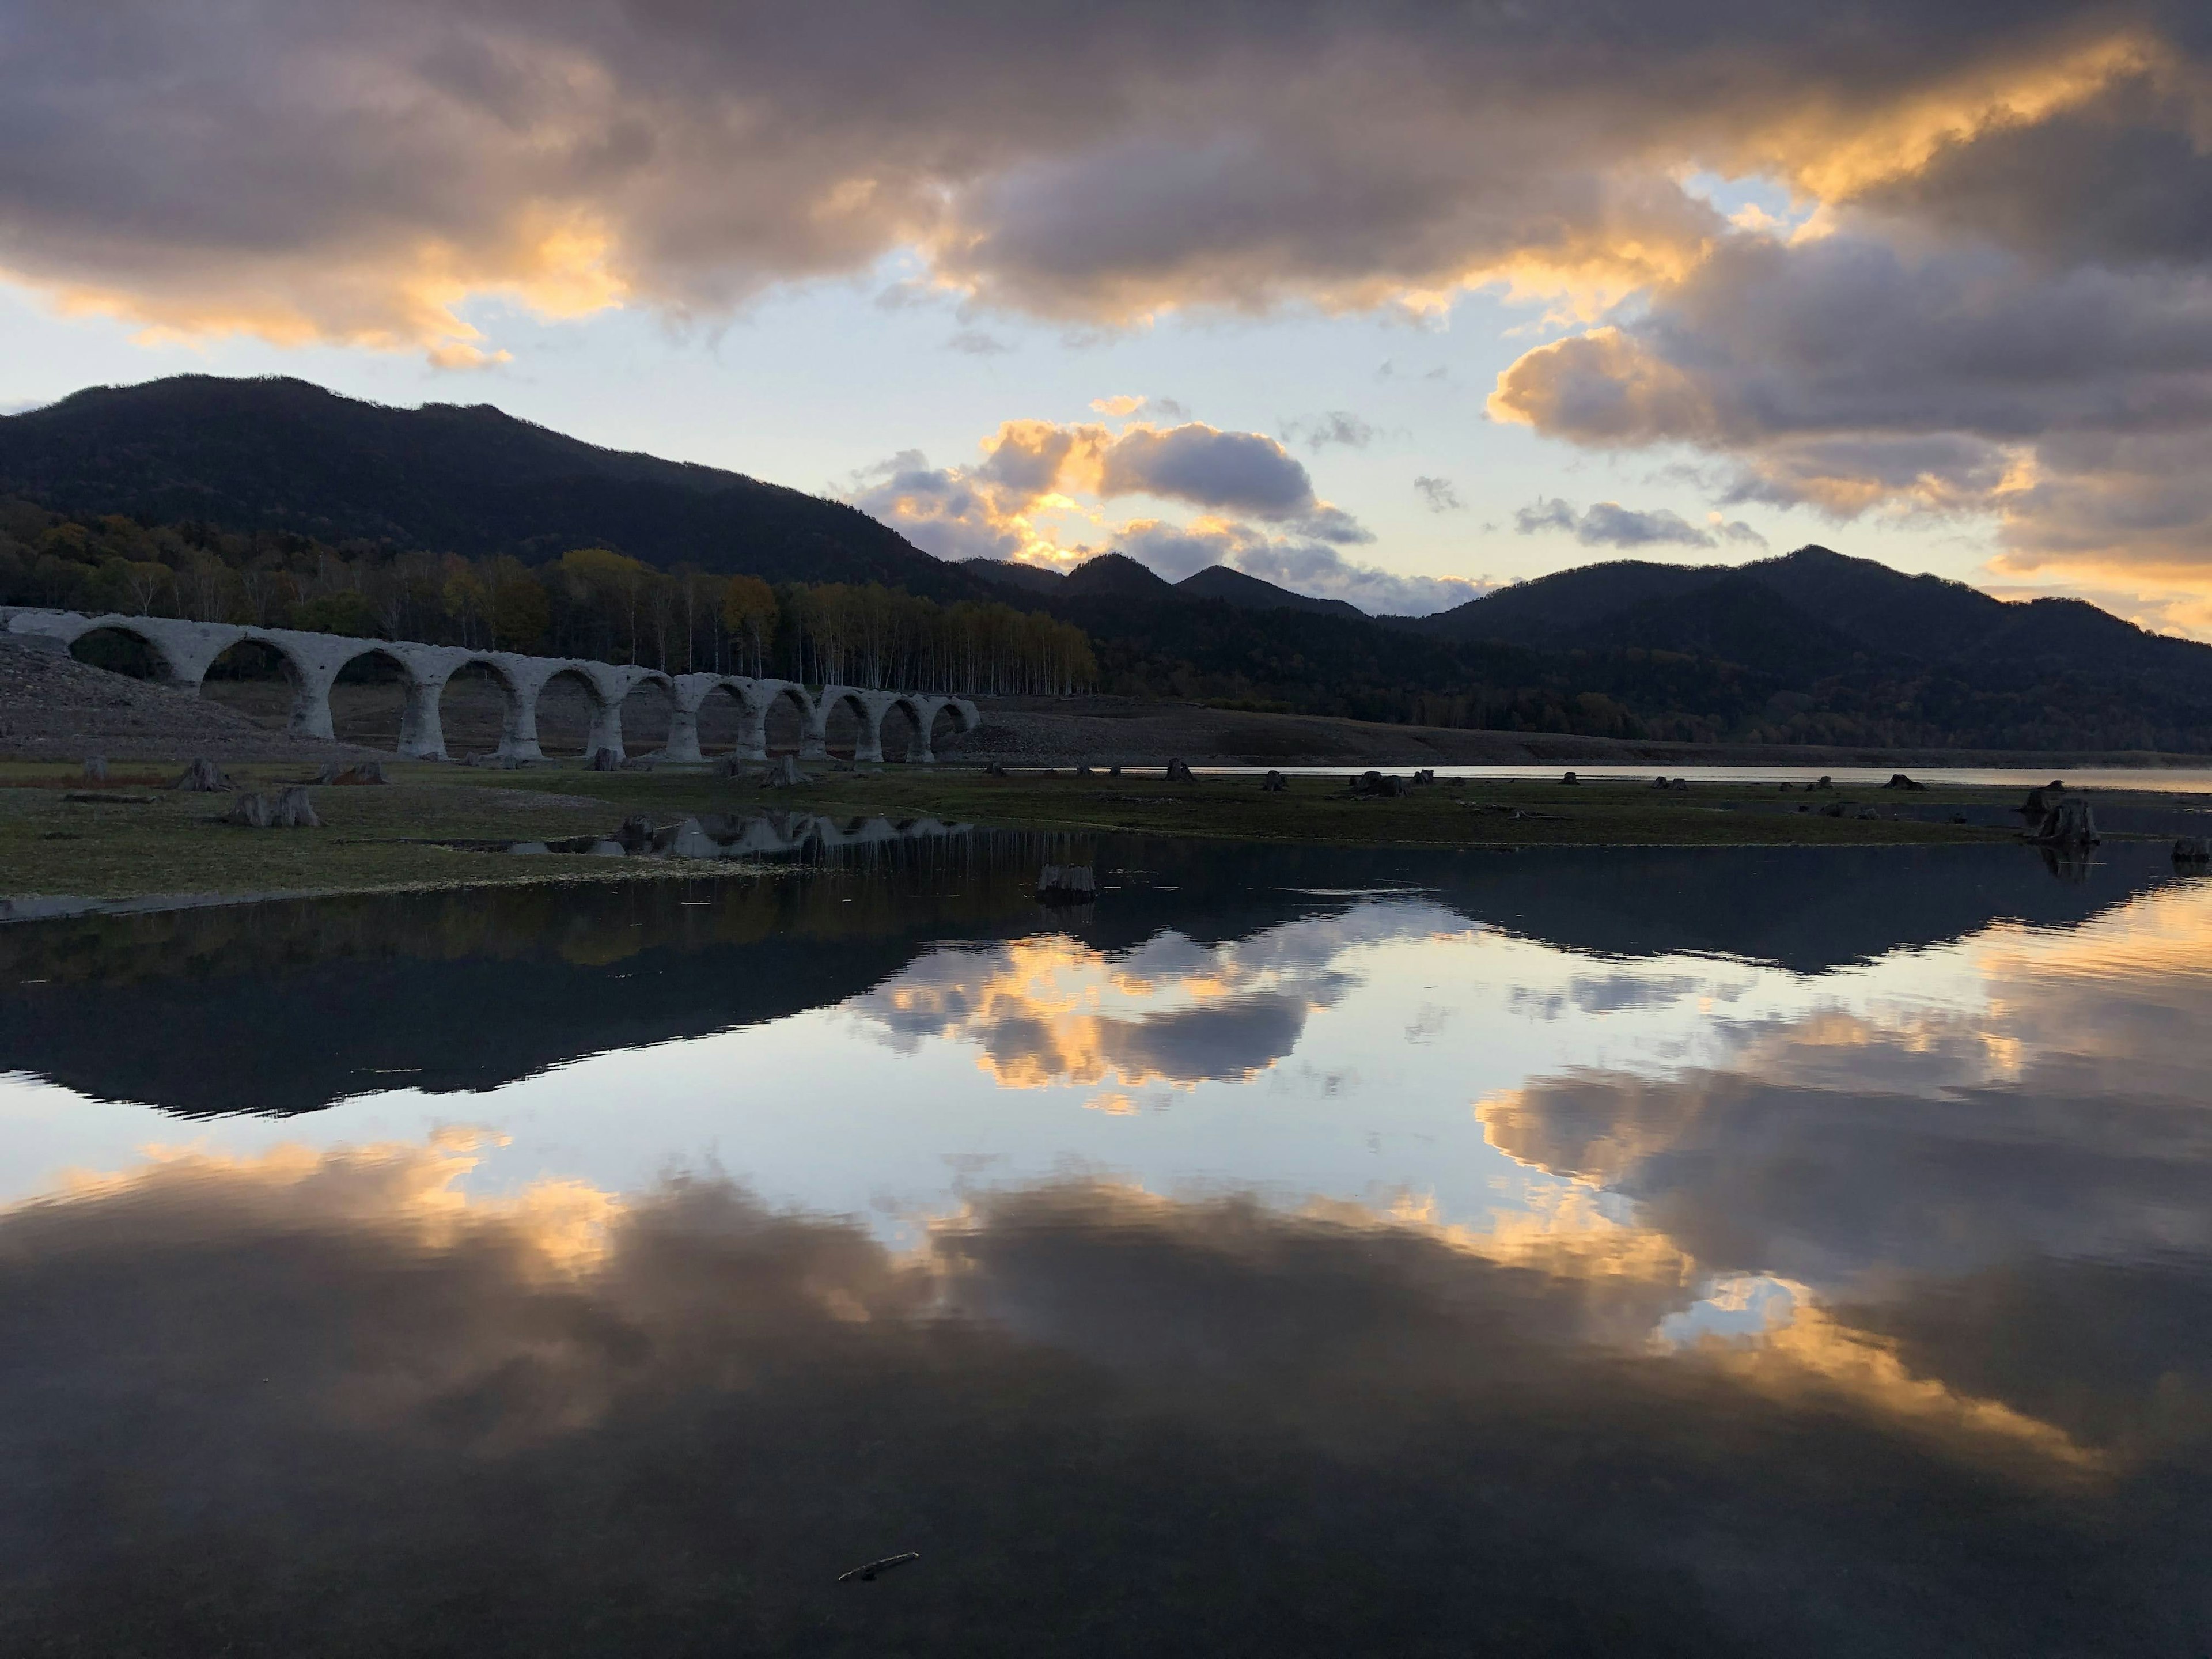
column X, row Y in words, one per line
column 1005, row 573
column 1816, row 612
column 1219, row 581
column 1116, row 572
column 281, row 454
column 1812, row 647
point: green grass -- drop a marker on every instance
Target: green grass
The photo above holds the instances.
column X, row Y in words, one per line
column 381, row 838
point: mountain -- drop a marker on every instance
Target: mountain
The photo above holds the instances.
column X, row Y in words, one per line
column 1116, row 575
column 1550, row 608
column 1816, row 612
column 281, row 454
column 1219, row 581
column 1007, row 573
column 1116, row 572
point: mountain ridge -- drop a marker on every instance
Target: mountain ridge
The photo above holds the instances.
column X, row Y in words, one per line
column 283, row 454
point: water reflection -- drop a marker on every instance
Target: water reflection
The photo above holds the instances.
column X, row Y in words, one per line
column 288, row 1005
column 1716, row 1252
column 1170, row 1010
column 808, row 836
column 571, row 1422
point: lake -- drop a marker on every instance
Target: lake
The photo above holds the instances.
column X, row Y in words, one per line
column 1297, row 1250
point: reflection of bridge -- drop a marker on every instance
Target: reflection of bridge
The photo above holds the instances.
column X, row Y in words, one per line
column 782, row 834
column 312, row 662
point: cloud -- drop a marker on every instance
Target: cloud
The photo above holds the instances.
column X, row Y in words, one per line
column 327, row 170
column 1438, row 495
column 1240, row 471
column 941, row 510
column 1336, row 426
column 1033, row 472
column 2071, row 406
column 1608, row 523
column 1301, row 563
column 1123, row 407
column 975, row 343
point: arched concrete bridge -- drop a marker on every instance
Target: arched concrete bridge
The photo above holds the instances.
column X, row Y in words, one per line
column 313, row 663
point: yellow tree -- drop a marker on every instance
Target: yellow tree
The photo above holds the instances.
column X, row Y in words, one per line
column 748, row 612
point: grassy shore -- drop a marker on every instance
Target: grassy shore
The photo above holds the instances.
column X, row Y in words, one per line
column 158, row 842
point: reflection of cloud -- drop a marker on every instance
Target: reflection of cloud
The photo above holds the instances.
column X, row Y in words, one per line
column 1048, row 1010
column 1605, row 993
column 2060, row 1115
column 218, row 1365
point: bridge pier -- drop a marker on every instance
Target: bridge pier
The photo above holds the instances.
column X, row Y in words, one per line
column 422, row 727
column 606, row 728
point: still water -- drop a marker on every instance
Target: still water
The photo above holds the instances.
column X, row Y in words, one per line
column 1297, row 1251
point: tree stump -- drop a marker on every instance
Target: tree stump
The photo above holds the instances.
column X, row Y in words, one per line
column 201, row 777
column 96, row 768
column 1179, row 772
column 294, row 811
column 1274, row 783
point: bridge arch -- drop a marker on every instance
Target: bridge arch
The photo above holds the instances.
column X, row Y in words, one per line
column 374, row 697
column 462, row 706
column 789, row 723
column 950, row 717
column 850, row 714
column 115, row 645
column 903, row 730
column 263, row 678
column 563, row 727
column 726, row 720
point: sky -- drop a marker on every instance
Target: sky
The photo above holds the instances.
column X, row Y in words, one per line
column 1391, row 302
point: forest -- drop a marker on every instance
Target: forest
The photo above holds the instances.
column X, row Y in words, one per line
column 599, row 603
column 591, row 602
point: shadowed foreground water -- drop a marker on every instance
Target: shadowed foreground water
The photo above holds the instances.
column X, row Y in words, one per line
column 1295, row 1252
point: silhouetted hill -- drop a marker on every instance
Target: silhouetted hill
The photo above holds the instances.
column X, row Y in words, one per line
column 1233, row 587
column 281, row 454
column 1116, row 573
column 1814, row 611
column 1005, row 573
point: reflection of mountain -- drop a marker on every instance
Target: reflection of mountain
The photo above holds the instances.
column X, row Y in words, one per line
column 284, row 1007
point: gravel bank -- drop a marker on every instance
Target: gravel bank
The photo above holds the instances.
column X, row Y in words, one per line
column 54, row 707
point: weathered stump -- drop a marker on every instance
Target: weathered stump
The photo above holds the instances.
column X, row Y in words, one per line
column 295, row 810
column 201, row 777
column 1179, row 772
column 96, row 768
column 1274, row 783
column 2070, row 825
